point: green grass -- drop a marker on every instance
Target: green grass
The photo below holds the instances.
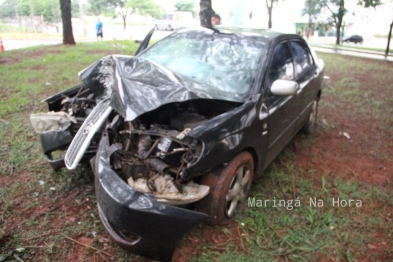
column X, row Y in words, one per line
column 27, row 77
column 44, row 207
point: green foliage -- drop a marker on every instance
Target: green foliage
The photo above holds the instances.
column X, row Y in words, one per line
column 7, row 8
column 98, row 7
column 75, row 11
column 312, row 8
column 41, row 7
column 185, row 5
column 144, row 7
column 336, row 8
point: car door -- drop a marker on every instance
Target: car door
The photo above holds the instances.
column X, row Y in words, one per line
column 145, row 42
column 283, row 110
column 305, row 76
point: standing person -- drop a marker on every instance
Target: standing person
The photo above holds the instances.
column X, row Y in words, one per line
column 99, row 29
column 216, row 19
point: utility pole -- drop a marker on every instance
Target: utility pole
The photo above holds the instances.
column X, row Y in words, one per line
column 82, row 17
column 17, row 16
column 32, row 15
column 55, row 16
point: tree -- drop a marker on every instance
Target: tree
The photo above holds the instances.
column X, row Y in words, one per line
column 389, row 36
column 97, row 7
column 10, row 8
column 144, row 7
column 206, row 12
column 68, row 37
column 119, row 7
column 269, row 5
column 374, row 3
column 311, row 8
column 338, row 11
column 185, row 5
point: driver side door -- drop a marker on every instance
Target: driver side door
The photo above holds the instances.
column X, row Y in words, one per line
column 283, row 110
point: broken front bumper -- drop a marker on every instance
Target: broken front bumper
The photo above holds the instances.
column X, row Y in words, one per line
column 135, row 220
column 52, row 141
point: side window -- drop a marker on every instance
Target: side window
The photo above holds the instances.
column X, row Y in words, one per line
column 302, row 56
column 282, row 64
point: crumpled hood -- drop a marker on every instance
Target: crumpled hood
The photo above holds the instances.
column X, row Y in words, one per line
column 141, row 86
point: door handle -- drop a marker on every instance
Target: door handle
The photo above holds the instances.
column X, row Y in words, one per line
column 263, row 112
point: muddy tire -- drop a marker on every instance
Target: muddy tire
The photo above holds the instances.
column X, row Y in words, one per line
column 229, row 187
column 310, row 125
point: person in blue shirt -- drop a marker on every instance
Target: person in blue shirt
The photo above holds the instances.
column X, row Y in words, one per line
column 99, row 29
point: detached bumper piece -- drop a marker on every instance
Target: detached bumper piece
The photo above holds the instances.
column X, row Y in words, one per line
column 135, row 220
column 52, row 141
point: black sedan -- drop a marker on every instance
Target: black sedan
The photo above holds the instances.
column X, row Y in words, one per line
column 354, row 39
column 177, row 133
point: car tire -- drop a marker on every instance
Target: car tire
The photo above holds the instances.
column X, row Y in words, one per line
column 310, row 125
column 229, row 186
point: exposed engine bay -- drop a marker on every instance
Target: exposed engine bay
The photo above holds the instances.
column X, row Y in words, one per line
column 153, row 151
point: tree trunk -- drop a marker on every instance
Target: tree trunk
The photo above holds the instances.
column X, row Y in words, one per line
column 206, row 13
column 269, row 10
column 340, row 16
column 270, row 18
column 68, row 37
column 389, row 36
column 124, row 22
column 338, row 32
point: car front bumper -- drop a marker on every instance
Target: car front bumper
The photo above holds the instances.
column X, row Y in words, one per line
column 52, row 141
column 155, row 228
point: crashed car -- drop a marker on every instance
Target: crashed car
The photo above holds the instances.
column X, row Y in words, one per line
column 176, row 134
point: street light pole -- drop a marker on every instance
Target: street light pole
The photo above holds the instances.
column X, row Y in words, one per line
column 17, row 15
column 55, row 16
column 82, row 17
column 32, row 15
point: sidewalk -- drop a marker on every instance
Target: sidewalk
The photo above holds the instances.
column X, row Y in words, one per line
column 340, row 51
column 327, row 45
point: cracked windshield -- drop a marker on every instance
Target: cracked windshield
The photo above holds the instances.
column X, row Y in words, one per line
column 221, row 62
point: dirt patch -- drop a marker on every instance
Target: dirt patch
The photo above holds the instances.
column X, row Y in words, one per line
column 8, row 60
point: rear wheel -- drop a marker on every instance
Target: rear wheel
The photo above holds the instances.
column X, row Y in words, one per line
column 229, row 187
column 310, row 125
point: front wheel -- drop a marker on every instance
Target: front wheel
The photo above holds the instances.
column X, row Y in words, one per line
column 229, row 187
column 310, row 125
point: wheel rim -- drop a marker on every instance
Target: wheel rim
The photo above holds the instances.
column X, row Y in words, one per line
column 237, row 190
column 313, row 114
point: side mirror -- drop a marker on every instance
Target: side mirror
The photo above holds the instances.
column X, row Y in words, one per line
column 284, row 87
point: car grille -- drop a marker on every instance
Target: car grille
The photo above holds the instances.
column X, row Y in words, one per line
column 82, row 139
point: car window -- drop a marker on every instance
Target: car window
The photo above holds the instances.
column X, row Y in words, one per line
column 282, row 64
column 223, row 63
column 302, row 56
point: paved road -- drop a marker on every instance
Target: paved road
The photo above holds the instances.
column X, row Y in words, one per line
column 18, row 44
column 135, row 33
column 139, row 32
